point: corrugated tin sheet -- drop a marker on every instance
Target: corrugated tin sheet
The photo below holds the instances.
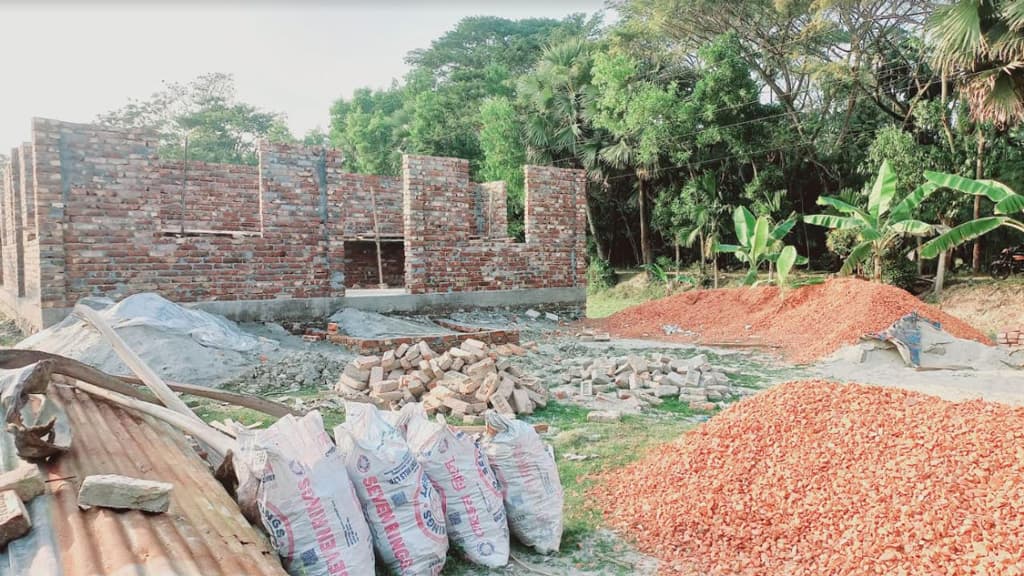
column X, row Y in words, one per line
column 203, row 532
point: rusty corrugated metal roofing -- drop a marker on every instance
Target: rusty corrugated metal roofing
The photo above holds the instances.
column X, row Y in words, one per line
column 203, row 532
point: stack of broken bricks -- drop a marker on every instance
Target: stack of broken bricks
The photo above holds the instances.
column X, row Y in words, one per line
column 462, row 382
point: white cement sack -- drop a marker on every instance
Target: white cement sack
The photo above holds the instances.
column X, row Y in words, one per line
column 474, row 511
column 525, row 467
column 401, row 506
column 399, row 419
column 307, row 503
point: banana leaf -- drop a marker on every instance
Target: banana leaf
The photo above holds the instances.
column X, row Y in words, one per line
column 841, row 206
column 1010, row 205
column 882, row 192
column 780, row 231
column 786, row 260
column 913, row 227
column 960, row 234
column 830, row 221
column 744, row 222
column 988, row 188
column 859, row 253
column 906, row 207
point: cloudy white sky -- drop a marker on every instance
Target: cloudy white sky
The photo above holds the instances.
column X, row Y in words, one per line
column 72, row 61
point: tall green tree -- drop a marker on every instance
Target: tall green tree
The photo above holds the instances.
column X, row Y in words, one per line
column 206, row 111
column 501, row 138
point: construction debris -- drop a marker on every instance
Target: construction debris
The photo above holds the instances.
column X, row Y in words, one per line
column 462, row 382
column 814, row 477
column 124, row 493
column 648, row 380
column 26, row 480
column 14, row 520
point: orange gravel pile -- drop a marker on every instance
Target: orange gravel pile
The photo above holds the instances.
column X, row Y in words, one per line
column 815, row 478
column 805, row 323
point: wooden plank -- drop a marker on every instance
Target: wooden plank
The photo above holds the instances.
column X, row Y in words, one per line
column 132, row 360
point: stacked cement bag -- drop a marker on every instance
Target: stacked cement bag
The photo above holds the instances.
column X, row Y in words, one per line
column 475, row 515
column 305, row 499
column 525, row 468
column 403, row 510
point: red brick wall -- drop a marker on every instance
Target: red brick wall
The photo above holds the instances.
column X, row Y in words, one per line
column 361, row 264
column 103, row 194
column 352, row 191
column 105, row 212
column 440, row 256
column 218, row 196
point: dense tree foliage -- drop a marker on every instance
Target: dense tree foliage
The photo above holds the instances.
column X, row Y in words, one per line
column 217, row 126
column 684, row 111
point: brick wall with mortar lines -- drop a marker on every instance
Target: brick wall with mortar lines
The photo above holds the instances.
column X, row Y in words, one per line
column 30, row 225
column 103, row 198
column 13, row 230
column 441, row 256
column 105, row 187
column 352, row 192
column 361, row 264
column 218, row 196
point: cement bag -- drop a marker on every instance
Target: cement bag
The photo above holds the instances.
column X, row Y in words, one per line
column 306, row 502
column 401, row 506
column 525, row 468
column 473, row 507
column 400, row 419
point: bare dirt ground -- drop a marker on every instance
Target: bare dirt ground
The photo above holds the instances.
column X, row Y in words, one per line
column 990, row 306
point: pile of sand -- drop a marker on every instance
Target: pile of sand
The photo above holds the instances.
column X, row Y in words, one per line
column 181, row 344
column 804, row 323
column 813, row 478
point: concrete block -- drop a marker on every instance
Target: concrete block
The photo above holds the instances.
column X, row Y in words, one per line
column 604, row 416
column 124, row 492
column 26, row 480
column 14, row 520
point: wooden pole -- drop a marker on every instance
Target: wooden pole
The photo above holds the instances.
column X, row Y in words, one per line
column 132, row 360
column 376, row 238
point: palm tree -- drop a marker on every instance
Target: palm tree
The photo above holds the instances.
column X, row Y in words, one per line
column 557, row 129
column 707, row 214
column 878, row 228
column 983, row 42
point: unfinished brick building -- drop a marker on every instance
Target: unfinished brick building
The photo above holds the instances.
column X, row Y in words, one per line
column 94, row 211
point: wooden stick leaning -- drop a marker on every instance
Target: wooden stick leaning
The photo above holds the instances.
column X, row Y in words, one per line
column 216, row 441
column 14, row 358
column 132, row 360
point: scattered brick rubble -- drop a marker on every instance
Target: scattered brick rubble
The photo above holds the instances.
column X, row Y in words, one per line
column 649, row 379
column 462, row 382
column 1012, row 337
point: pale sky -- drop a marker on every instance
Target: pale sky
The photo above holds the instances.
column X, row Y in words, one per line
column 74, row 61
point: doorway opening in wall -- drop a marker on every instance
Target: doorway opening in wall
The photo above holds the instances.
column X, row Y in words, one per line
column 366, row 276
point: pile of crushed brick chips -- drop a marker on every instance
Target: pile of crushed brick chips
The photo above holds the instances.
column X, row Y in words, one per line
column 816, row 478
column 804, row 323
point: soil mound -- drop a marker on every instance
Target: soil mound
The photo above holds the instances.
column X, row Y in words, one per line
column 813, row 478
column 804, row 324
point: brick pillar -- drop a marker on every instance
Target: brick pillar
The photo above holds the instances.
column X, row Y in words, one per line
column 437, row 214
column 14, row 259
column 492, row 200
column 555, row 217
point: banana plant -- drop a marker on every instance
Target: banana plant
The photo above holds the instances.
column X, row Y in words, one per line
column 881, row 224
column 761, row 242
column 1006, row 200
